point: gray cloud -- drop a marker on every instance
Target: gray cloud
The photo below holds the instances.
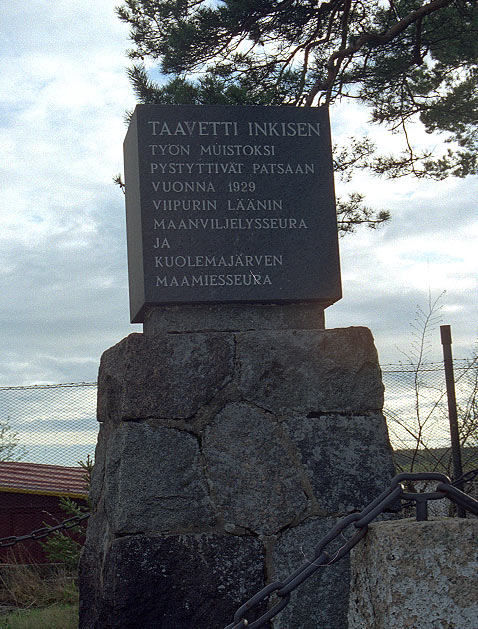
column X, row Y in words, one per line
column 63, row 272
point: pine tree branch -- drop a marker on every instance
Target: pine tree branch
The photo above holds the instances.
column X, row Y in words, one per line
column 365, row 39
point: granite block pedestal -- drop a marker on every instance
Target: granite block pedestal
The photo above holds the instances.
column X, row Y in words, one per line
column 223, row 456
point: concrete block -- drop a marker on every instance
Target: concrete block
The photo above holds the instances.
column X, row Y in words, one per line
column 408, row 574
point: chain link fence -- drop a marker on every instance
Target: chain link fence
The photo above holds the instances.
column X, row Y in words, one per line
column 56, row 424
column 53, row 424
column 416, row 409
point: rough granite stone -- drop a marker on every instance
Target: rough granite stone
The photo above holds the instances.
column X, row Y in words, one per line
column 98, row 473
column 154, row 481
column 90, row 568
column 310, row 371
column 409, row 574
column 348, row 458
column 254, row 483
column 175, row 582
column 163, row 375
column 322, row 600
column 233, row 317
column 179, row 517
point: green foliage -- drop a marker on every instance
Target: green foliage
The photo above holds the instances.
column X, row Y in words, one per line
column 60, row 547
column 403, row 59
column 54, row 617
column 352, row 212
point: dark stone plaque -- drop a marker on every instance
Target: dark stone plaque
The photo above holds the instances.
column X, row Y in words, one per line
column 230, row 205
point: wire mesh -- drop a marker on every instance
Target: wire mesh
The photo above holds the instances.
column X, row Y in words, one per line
column 416, row 409
column 53, row 424
column 56, row 424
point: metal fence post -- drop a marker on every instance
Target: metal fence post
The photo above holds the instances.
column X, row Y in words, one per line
column 445, row 334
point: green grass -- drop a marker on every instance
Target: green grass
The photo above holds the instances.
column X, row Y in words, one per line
column 54, row 617
column 38, row 596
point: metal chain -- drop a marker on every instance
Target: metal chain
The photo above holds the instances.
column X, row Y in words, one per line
column 466, row 478
column 359, row 523
column 6, row 542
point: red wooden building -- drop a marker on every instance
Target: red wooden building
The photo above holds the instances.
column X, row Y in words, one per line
column 29, row 500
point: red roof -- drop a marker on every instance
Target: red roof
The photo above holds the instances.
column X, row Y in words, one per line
column 36, row 478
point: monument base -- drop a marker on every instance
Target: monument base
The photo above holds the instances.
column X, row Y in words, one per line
column 234, row 317
column 223, row 457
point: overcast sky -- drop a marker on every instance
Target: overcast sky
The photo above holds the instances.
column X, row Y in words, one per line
column 63, row 266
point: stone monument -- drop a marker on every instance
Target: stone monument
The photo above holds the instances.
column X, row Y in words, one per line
column 235, row 429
